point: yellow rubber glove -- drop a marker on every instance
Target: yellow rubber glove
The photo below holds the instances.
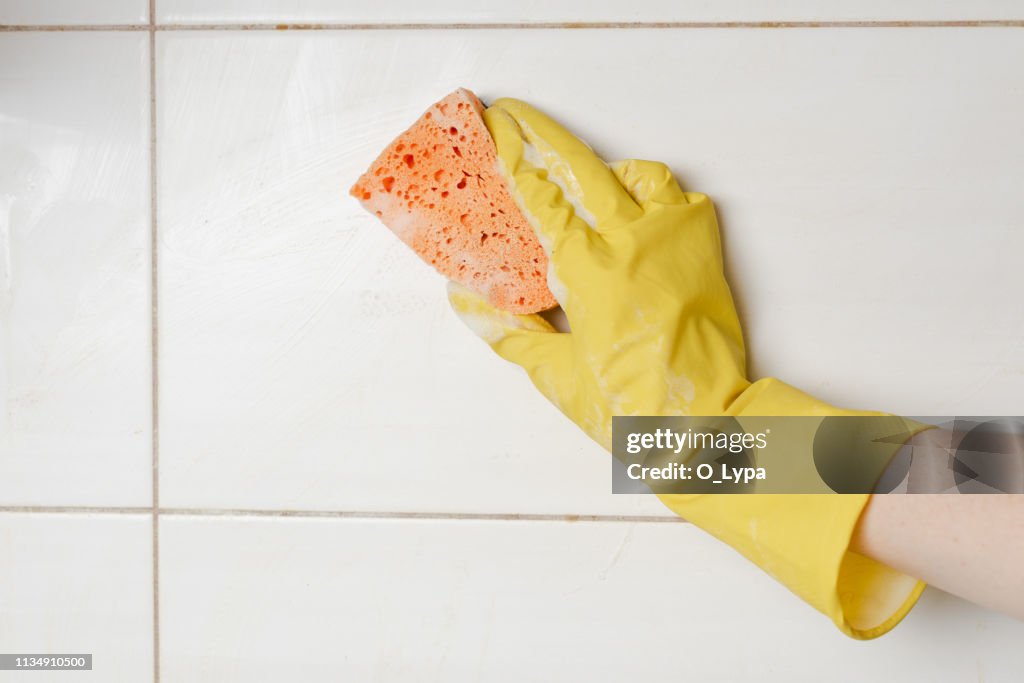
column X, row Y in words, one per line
column 636, row 264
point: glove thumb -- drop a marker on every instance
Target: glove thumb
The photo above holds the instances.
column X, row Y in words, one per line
column 529, row 341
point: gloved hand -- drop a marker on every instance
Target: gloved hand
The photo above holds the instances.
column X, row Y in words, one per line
column 636, row 264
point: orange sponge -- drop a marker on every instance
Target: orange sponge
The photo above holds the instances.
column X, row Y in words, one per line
column 438, row 188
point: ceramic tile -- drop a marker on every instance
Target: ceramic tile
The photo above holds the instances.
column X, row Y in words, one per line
column 538, row 11
column 309, row 361
column 78, row 584
column 74, row 270
column 92, row 12
column 305, row 354
column 388, row 600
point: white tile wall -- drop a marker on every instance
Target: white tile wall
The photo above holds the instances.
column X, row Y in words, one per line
column 74, row 269
column 57, row 12
column 269, row 600
column 309, row 364
column 538, row 11
column 78, row 584
column 309, row 360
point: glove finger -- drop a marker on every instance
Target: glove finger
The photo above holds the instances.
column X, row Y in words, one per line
column 585, row 179
column 566, row 239
column 529, row 341
column 649, row 181
column 541, row 201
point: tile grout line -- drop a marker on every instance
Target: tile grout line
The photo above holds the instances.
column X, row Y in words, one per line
column 328, row 26
column 75, row 509
column 415, row 515
column 155, row 343
column 345, row 514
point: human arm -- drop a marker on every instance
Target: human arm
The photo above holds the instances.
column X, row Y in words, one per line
column 969, row 545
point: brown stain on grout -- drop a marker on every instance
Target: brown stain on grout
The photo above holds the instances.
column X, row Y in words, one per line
column 951, row 23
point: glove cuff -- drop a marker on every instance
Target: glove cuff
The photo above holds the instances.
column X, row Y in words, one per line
column 803, row 541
